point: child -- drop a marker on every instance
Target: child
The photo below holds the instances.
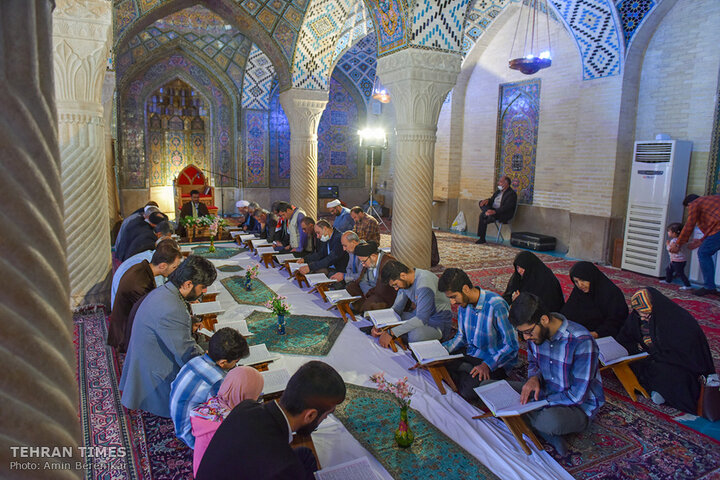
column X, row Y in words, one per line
column 677, row 260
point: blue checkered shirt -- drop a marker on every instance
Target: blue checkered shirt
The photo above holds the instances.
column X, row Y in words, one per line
column 486, row 333
column 197, row 381
column 567, row 365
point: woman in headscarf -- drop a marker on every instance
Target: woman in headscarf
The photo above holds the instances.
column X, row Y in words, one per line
column 677, row 347
column 596, row 302
column 241, row 383
column 533, row 276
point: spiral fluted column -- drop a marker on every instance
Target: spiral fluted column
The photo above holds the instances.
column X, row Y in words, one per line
column 418, row 81
column 80, row 46
column 38, row 388
column 303, row 109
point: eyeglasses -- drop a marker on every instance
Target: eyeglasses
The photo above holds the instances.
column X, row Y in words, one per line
column 527, row 332
column 364, row 260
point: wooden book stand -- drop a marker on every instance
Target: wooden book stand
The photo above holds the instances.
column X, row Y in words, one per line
column 300, row 279
column 343, row 307
column 439, row 373
column 321, row 288
column 627, row 378
column 518, row 427
column 268, row 259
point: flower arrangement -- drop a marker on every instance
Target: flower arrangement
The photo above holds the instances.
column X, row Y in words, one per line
column 278, row 305
column 252, row 272
column 205, row 221
column 400, row 389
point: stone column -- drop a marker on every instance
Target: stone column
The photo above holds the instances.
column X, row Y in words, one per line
column 38, row 387
column 108, row 101
column 418, row 81
column 81, row 32
column 303, row 109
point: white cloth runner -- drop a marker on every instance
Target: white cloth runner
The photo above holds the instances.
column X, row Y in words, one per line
column 356, row 356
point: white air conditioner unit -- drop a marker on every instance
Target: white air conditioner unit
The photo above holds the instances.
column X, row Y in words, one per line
column 658, row 181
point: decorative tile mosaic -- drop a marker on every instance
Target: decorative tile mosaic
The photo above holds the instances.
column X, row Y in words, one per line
column 518, row 122
column 359, row 64
column 479, row 17
column 259, row 73
column 632, row 13
column 304, row 334
column 314, row 52
column 439, row 24
column 390, row 24
column 132, row 116
column 338, row 160
column 256, row 147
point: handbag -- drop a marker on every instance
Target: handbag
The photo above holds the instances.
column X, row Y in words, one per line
column 709, row 402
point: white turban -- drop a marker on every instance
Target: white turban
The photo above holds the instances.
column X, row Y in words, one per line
column 242, row 203
column 334, row 203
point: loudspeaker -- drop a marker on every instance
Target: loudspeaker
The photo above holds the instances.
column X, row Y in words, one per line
column 377, row 157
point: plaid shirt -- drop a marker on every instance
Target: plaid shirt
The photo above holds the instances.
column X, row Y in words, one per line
column 486, row 333
column 368, row 229
column 705, row 213
column 197, row 381
column 567, row 365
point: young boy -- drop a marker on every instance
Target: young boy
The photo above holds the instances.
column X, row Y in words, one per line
column 677, row 260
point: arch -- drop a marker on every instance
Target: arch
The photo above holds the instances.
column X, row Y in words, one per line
column 358, row 65
column 130, row 23
column 145, row 79
column 259, row 74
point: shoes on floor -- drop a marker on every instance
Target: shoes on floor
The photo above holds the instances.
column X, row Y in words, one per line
column 657, row 398
column 663, row 281
column 557, row 441
column 701, row 292
column 686, row 288
column 480, row 241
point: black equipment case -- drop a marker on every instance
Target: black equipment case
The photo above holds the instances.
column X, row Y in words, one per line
column 533, row 241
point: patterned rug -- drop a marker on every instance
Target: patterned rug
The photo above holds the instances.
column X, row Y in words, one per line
column 304, row 334
column 219, row 253
column 259, row 294
column 372, row 417
column 230, row 268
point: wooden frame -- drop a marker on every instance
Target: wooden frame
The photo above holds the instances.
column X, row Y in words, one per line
column 518, row 427
column 627, row 377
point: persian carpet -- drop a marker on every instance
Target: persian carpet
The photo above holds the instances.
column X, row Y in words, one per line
column 230, row 268
column 372, row 417
column 259, row 294
column 304, row 334
column 219, row 253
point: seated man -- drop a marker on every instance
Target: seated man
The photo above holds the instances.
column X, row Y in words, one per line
column 194, row 208
column 160, row 340
column 148, row 240
column 485, row 337
column 247, row 210
column 366, row 226
column 562, row 369
column 376, row 293
column 329, row 257
column 343, row 221
column 134, row 260
column 430, row 316
column 253, row 441
column 500, row 206
column 296, row 237
column 136, row 282
column 135, row 225
column 267, row 225
column 201, row 377
column 349, row 241
column 143, row 235
column 311, row 241
column 140, row 212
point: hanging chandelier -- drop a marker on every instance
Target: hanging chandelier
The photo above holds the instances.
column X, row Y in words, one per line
column 379, row 92
column 535, row 52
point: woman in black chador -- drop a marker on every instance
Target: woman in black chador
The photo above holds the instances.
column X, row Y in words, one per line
column 533, row 276
column 596, row 302
column 677, row 347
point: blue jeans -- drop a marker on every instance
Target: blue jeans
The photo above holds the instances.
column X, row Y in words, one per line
column 706, row 251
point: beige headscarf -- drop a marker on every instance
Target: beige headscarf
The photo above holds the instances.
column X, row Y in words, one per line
column 241, row 383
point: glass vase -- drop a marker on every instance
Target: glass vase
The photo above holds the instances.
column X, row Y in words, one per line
column 404, row 437
column 248, row 283
column 281, row 325
column 211, row 248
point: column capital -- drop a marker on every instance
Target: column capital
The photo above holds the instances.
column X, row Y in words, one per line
column 83, row 19
column 419, row 80
column 303, row 109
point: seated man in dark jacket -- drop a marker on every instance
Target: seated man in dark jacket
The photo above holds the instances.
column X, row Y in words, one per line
column 253, row 442
column 500, row 206
column 330, row 257
column 267, row 225
column 142, row 236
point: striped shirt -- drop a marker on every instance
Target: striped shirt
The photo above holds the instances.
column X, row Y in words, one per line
column 485, row 332
column 567, row 365
column 197, row 381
